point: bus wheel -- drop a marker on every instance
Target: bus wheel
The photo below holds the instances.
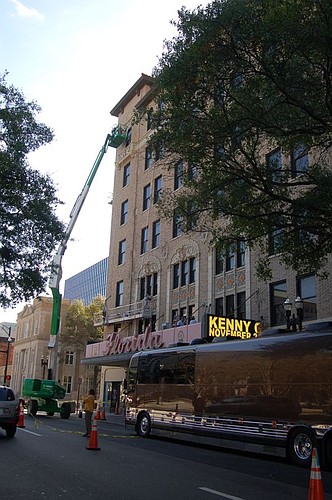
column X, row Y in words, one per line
column 143, row 425
column 301, row 442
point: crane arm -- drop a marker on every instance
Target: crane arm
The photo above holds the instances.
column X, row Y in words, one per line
column 114, row 139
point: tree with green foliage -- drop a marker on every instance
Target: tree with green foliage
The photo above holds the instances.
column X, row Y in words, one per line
column 29, row 227
column 245, row 100
column 78, row 327
column 77, row 330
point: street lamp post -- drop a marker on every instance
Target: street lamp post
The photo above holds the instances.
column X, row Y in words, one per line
column 8, row 330
column 292, row 321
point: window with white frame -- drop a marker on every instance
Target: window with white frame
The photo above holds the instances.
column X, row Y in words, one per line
column 157, row 189
column 145, row 239
column 119, row 294
column 178, row 175
column 146, row 197
column 67, row 383
column 126, row 175
column 156, row 234
column 122, row 252
column 69, row 358
column 124, row 212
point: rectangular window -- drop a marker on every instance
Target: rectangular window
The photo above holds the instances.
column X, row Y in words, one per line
column 148, row 158
column 230, row 306
column 278, row 295
column 126, row 175
column 192, row 270
column 149, row 285
column 240, row 253
column 177, row 223
column 119, row 294
column 157, row 189
column 219, row 306
column 306, row 289
column 192, row 172
column 184, row 273
column 241, row 305
column 219, row 262
column 230, row 257
column 146, row 196
column 155, row 284
column 128, row 137
column 142, row 288
column 156, row 234
column 159, row 151
column 67, row 383
column 149, row 119
column 124, row 213
column 144, row 239
column 176, row 275
column 178, row 175
column 299, row 160
column 192, row 217
column 69, row 358
column 274, row 165
column 275, row 240
column 122, row 252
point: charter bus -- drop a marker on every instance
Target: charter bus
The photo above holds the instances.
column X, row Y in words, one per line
column 269, row 395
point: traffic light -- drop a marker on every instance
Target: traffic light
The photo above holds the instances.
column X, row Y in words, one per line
column 8, row 377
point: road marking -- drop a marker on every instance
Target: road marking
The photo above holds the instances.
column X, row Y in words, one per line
column 29, row 432
column 220, row 493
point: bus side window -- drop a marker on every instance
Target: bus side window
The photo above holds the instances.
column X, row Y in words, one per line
column 167, row 368
column 185, row 369
column 149, row 369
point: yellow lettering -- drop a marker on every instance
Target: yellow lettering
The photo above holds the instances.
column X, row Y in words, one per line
column 221, row 323
column 247, row 325
column 258, row 328
column 213, row 321
column 229, row 324
column 238, row 325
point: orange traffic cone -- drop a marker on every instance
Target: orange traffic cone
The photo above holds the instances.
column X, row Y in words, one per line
column 103, row 414
column 97, row 416
column 316, row 484
column 93, row 441
column 21, row 417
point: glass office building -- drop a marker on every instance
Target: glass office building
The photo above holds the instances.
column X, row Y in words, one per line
column 87, row 284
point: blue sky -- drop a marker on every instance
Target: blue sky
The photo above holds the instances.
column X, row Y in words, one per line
column 77, row 58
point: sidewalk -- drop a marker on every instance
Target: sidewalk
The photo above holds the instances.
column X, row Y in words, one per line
column 112, row 418
column 115, row 419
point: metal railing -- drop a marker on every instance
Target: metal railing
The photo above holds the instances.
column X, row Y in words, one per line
column 127, row 312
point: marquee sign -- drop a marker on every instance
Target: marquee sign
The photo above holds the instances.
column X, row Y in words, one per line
column 243, row 329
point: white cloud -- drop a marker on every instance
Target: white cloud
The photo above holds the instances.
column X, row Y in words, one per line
column 24, row 11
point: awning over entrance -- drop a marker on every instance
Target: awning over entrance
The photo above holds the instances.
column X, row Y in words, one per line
column 115, row 360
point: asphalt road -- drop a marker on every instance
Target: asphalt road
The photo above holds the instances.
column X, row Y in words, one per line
column 48, row 459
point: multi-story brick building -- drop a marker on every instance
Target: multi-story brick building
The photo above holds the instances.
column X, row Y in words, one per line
column 156, row 273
